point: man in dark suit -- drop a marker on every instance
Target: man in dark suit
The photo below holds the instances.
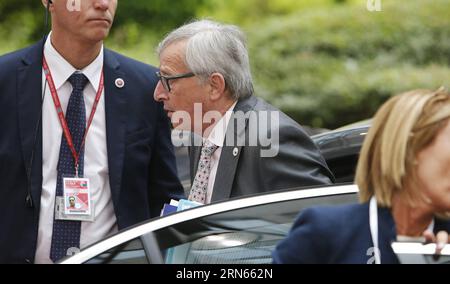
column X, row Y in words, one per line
column 246, row 146
column 126, row 154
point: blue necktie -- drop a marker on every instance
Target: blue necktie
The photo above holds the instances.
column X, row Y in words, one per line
column 66, row 234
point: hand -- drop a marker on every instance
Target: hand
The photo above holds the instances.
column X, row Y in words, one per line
column 441, row 239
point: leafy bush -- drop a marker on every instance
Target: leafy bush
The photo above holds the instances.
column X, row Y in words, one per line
column 158, row 16
column 253, row 11
column 324, row 62
column 22, row 21
column 331, row 67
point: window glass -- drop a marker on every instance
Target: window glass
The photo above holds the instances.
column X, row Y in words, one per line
column 240, row 236
column 131, row 252
column 243, row 236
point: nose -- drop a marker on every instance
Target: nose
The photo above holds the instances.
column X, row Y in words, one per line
column 102, row 4
column 160, row 94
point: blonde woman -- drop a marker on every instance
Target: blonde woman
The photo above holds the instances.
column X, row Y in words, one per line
column 404, row 179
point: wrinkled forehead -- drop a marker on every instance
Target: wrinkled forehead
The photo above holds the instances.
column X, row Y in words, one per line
column 174, row 56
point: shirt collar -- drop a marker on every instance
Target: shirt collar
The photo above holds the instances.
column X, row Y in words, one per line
column 61, row 69
column 217, row 135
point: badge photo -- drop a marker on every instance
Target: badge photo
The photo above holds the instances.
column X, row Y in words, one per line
column 77, row 196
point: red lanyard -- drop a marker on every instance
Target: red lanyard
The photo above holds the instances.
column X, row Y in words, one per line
column 61, row 117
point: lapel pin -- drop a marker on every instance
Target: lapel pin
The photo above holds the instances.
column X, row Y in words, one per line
column 120, row 83
column 235, row 152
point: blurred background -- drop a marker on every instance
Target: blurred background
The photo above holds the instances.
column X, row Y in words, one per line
column 326, row 63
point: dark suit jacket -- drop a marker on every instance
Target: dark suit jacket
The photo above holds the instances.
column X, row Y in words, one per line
column 142, row 168
column 340, row 234
column 298, row 163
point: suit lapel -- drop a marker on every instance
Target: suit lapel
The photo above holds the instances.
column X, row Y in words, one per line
column 116, row 117
column 194, row 153
column 29, row 103
column 230, row 155
column 387, row 233
column 225, row 173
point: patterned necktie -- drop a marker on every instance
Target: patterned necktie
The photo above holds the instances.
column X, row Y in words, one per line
column 66, row 234
column 200, row 185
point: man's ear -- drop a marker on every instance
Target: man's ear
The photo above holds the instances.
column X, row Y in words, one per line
column 218, row 86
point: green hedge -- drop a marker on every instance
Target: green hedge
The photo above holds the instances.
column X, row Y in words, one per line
column 329, row 67
column 136, row 21
column 324, row 62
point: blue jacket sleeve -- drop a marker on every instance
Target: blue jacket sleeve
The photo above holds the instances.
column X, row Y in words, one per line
column 306, row 243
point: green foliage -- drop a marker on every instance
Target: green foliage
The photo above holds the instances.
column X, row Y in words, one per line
column 22, row 21
column 327, row 71
column 158, row 16
column 249, row 12
column 324, row 62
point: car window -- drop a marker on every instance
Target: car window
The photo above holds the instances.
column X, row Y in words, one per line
column 234, row 236
column 131, row 252
column 229, row 247
column 243, row 236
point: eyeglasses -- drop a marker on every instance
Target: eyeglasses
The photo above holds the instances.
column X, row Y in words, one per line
column 165, row 79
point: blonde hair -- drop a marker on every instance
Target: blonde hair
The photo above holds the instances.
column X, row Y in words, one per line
column 402, row 127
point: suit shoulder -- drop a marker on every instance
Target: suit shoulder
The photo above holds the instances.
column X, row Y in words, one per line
column 317, row 234
column 289, row 131
column 285, row 120
column 141, row 75
column 131, row 63
column 333, row 218
column 14, row 58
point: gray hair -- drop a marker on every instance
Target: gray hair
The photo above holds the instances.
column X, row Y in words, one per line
column 214, row 47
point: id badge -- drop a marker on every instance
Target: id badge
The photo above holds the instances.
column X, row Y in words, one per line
column 76, row 202
column 77, row 197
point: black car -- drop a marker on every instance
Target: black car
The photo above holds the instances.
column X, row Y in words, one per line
column 341, row 149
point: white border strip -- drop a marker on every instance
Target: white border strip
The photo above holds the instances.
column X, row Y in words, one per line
column 418, row 248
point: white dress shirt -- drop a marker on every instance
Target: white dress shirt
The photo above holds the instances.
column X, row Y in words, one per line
column 95, row 157
column 217, row 137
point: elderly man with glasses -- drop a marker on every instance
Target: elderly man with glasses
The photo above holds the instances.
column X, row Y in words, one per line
column 205, row 83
